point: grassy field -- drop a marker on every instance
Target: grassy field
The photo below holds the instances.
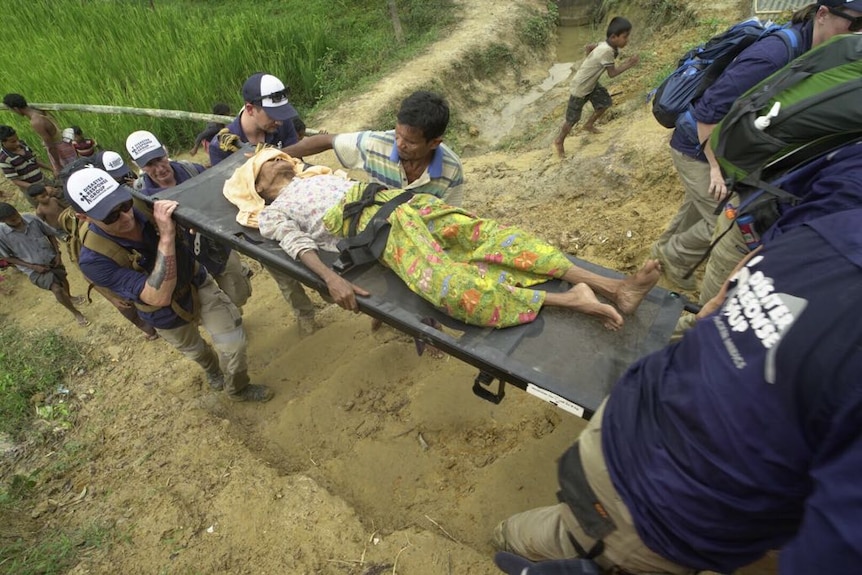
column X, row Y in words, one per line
column 189, row 54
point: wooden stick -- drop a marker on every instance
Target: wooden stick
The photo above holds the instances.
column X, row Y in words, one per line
column 150, row 112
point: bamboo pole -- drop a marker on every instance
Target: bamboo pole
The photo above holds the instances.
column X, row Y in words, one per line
column 150, row 112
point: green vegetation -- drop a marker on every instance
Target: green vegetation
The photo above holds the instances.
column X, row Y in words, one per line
column 537, row 28
column 32, row 363
column 54, row 552
column 187, row 54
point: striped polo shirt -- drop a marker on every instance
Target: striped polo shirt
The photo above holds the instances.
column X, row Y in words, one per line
column 377, row 154
column 21, row 166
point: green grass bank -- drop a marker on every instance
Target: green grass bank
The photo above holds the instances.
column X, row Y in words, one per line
column 189, row 54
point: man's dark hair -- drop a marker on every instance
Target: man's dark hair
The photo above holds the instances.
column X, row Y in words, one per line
column 6, row 132
column 7, row 210
column 77, row 130
column 221, row 109
column 34, row 190
column 299, row 125
column 618, row 25
column 425, row 111
column 14, row 101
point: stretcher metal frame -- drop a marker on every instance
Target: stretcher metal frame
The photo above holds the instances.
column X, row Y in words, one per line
column 565, row 358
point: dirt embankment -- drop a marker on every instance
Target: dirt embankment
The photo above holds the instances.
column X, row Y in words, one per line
column 370, row 459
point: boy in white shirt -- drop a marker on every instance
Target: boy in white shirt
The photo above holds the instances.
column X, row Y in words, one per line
column 586, row 87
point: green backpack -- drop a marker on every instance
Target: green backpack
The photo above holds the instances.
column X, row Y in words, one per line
column 812, row 105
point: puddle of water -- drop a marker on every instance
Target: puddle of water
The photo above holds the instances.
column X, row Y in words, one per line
column 570, row 53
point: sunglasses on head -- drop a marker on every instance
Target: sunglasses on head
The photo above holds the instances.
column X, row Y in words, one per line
column 115, row 214
column 276, row 97
column 855, row 21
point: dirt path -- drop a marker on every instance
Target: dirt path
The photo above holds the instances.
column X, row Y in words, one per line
column 368, row 456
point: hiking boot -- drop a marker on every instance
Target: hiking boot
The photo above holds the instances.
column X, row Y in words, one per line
column 253, row 392
column 307, row 325
column 673, row 274
column 216, row 381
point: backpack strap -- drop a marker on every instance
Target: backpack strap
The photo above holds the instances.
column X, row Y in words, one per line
column 189, row 167
column 367, row 245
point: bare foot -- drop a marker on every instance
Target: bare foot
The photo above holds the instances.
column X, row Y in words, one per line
column 592, row 129
column 558, row 146
column 634, row 288
column 82, row 321
column 79, row 300
column 581, row 298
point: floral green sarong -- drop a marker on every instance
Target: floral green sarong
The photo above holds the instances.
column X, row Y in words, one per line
column 474, row 269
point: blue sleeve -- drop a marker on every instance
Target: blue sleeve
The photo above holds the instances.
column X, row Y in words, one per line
column 830, row 537
column 756, row 62
column 288, row 134
column 104, row 272
column 216, row 154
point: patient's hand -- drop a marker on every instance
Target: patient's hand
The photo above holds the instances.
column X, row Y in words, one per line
column 344, row 293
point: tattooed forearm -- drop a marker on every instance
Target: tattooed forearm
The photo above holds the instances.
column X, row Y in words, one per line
column 165, row 269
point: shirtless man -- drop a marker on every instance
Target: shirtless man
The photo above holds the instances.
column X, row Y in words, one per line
column 50, row 203
column 59, row 152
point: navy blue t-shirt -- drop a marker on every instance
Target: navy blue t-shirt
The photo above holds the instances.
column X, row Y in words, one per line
column 128, row 283
column 284, row 136
column 826, row 185
column 755, row 63
column 745, row 435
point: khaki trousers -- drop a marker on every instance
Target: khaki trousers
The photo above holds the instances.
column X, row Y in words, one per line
column 233, row 280
column 689, row 233
column 223, row 322
column 293, row 293
column 724, row 257
column 544, row 533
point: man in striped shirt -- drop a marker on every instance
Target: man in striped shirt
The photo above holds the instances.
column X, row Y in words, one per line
column 18, row 162
column 410, row 157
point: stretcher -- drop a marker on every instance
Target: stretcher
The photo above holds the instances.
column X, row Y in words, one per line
column 563, row 357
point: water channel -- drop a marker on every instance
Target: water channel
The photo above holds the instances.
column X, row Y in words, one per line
column 569, row 54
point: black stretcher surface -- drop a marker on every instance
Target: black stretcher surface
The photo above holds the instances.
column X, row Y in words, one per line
column 564, row 357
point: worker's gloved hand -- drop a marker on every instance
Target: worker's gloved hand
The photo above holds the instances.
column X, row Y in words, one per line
column 228, row 141
column 516, row 565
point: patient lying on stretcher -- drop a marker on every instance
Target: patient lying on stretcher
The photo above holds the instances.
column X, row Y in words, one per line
column 474, row 269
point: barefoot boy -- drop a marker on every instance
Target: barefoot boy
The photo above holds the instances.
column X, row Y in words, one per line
column 586, row 87
column 50, row 205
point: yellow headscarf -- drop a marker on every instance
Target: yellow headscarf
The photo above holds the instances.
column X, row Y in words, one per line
column 239, row 188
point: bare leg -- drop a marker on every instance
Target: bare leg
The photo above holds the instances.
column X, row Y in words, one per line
column 590, row 125
column 627, row 292
column 582, row 299
column 561, row 137
column 61, row 292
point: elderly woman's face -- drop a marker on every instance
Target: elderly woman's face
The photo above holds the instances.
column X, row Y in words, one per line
column 272, row 177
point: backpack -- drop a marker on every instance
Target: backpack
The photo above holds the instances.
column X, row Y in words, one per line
column 700, row 67
column 80, row 236
column 804, row 110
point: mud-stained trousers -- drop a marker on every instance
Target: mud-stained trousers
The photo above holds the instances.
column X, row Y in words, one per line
column 689, row 233
column 234, row 280
column 293, row 293
column 221, row 318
